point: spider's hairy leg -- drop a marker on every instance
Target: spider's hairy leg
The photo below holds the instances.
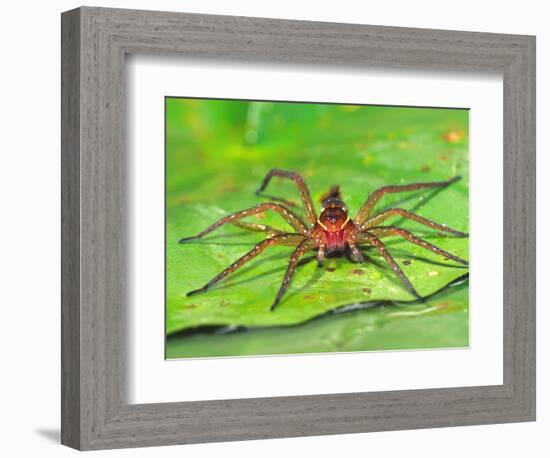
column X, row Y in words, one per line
column 286, row 202
column 292, row 219
column 367, row 207
column 321, row 255
column 390, row 230
column 356, row 254
column 279, row 239
column 377, row 219
column 376, row 242
column 256, row 227
column 302, row 187
column 296, row 255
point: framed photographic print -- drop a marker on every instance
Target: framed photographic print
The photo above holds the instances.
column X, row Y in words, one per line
column 281, row 228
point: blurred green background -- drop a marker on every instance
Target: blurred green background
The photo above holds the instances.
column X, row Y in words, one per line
column 217, row 153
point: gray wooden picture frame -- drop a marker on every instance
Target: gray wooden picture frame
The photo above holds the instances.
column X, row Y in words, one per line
column 95, row 412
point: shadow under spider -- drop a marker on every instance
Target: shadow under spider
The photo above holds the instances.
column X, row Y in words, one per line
column 220, row 240
column 413, row 196
column 387, row 272
column 399, row 254
column 254, row 266
column 317, row 274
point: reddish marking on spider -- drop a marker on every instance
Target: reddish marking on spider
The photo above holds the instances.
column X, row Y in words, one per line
column 333, row 233
column 335, row 241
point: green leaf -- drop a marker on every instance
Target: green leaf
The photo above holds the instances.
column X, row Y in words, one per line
column 219, row 151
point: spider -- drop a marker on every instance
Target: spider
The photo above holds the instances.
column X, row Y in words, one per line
column 333, row 233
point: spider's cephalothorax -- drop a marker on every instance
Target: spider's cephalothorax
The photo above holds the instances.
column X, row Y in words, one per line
column 333, row 227
column 333, row 233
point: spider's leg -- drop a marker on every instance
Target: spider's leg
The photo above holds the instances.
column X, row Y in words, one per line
column 376, row 242
column 320, row 255
column 296, row 255
column 390, row 230
column 295, row 221
column 286, row 202
column 377, row 219
column 302, row 187
column 275, row 240
column 356, row 254
column 256, row 227
column 367, row 207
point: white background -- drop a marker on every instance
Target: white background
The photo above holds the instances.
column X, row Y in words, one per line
column 29, row 186
column 155, row 380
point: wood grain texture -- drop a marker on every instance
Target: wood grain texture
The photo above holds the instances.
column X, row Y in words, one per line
column 96, row 413
column 70, row 229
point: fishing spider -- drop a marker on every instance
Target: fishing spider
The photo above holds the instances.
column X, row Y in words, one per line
column 333, row 233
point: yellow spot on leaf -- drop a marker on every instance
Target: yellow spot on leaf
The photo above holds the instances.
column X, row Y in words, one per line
column 375, row 275
column 453, row 135
column 368, row 159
